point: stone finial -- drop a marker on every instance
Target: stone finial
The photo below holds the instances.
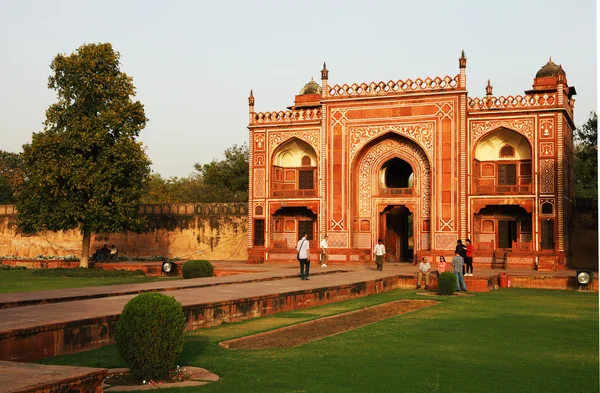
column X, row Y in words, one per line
column 251, row 99
column 488, row 89
column 324, row 72
column 462, row 62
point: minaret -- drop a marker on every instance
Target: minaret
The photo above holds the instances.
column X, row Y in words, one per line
column 324, row 78
column 488, row 89
column 251, row 107
column 462, row 64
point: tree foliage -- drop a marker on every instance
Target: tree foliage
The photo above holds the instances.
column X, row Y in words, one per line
column 226, row 180
column 12, row 176
column 586, row 158
column 86, row 169
column 219, row 181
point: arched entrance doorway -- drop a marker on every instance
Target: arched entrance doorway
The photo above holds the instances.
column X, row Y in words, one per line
column 396, row 225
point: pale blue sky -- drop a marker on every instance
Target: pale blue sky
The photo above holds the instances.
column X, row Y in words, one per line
column 194, row 62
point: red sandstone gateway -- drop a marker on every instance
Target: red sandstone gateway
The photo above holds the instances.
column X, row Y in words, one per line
column 419, row 164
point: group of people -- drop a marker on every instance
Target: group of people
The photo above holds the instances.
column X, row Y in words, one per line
column 105, row 254
column 462, row 263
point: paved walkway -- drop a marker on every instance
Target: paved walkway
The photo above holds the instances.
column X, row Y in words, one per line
column 268, row 279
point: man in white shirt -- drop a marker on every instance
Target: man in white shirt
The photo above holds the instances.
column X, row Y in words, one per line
column 324, row 252
column 303, row 257
column 379, row 252
column 424, row 270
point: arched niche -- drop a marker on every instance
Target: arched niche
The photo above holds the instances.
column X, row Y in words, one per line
column 294, row 153
column 490, row 147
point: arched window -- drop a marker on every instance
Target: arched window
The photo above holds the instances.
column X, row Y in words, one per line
column 487, row 226
column 306, row 161
column 547, row 208
column 258, row 211
column 507, row 151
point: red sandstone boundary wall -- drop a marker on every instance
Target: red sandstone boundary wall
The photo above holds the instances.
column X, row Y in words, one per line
column 215, row 231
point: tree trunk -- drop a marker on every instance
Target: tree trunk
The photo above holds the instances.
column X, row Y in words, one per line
column 85, row 249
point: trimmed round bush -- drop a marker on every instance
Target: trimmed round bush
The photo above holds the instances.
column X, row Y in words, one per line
column 149, row 334
column 447, row 283
column 197, row 268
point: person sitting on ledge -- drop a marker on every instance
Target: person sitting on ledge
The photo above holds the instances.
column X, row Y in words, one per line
column 113, row 255
column 424, row 270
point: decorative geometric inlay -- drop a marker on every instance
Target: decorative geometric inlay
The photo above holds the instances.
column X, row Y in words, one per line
column 486, row 237
column 546, row 129
column 425, row 241
column 445, row 110
column 337, row 240
column 259, row 142
column 334, row 257
column 482, row 127
column 362, row 240
column 280, row 257
column 338, row 116
column 546, row 149
column 311, row 137
column 445, row 241
column 547, row 176
column 337, row 224
column 422, row 133
column 259, row 159
column 407, row 150
column 354, row 258
column 446, row 225
column 259, row 183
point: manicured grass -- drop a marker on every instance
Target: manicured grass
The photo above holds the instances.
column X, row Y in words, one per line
column 512, row 340
column 24, row 281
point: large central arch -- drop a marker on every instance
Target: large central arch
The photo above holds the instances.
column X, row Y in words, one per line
column 368, row 202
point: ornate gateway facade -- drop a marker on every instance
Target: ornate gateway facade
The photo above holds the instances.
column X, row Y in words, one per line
column 419, row 164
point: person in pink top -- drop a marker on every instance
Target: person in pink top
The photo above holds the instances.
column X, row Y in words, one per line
column 442, row 265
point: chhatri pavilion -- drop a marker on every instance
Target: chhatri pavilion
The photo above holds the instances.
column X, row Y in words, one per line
column 420, row 164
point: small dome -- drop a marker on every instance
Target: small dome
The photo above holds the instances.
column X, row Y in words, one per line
column 311, row 88
column 550, row 69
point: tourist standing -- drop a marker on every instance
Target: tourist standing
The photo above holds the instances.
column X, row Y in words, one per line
column 442, row 266
column 303, row 257
column 424, row 270
column 461, row 250
column 324, row 252
column 458, row 262
column 379, row 252
column 469, row 258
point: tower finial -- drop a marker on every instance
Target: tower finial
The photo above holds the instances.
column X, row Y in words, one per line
column 324, row 72
column 462, row 62
column 251, row 99
column 488, row 89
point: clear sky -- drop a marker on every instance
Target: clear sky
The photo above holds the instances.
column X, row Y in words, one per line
column 194, row 62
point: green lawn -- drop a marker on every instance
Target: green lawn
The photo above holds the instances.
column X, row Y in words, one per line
column 23, row 281
column 511, row 340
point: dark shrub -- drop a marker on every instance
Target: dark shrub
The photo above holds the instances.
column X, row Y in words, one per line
column 149, row 334
column 447, row 283
column 196, row 268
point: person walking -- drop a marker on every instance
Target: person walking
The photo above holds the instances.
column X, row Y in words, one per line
column 324, row 252
column 458, row 263
column 303, row 257
column 469, row 258
column 379, row 251
column 424, row 270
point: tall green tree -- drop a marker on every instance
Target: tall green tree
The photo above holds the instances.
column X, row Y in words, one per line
column 586, row 158
column 86, row 169
column 226, row 180
column 12, row 176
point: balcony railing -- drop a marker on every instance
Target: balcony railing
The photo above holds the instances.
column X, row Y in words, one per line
column 294, row 193
column 503, row 189
column 395, row 191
